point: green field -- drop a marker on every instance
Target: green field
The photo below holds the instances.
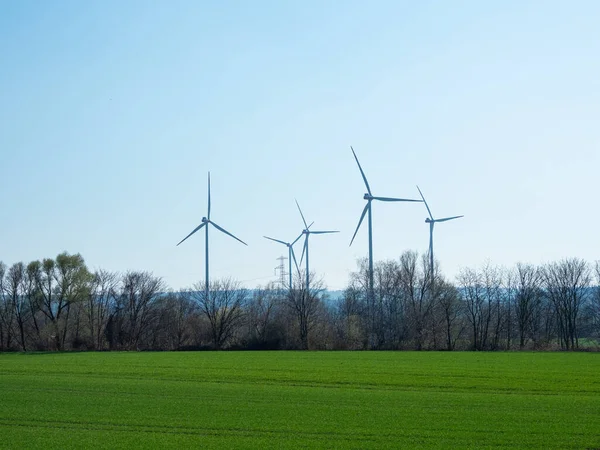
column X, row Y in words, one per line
column 300, row 399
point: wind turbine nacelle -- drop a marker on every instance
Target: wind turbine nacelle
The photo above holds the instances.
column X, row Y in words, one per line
column 367, row 196
column 428, row 220
column 204, row 219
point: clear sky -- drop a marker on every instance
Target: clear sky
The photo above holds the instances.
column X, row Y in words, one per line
column 112, row 113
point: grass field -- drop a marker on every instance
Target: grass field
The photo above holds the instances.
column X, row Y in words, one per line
column 300, row 399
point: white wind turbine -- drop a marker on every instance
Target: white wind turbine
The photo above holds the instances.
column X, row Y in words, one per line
column 307, row 232
column 292, row 256
column 431, row 221
column 205, row 222
column 369, row 198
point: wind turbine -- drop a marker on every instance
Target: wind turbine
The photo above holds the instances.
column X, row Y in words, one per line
column 431, row 221
column 369, row 198
column 306, row 232
column 292, row 255
column 205, row 222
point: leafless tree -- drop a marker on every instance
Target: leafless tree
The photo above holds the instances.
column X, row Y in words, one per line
column 416, row 289
column 185, row 313
column 567, row 285
column 594, row 305
column 101, row 301
column 509, row 294
column 527, row 301
column 359, row 284
column 138, row 294
column 5, row 315
column 32, row 294
column 492, row 278
column 389, row 326
column 403, row 308
column 478, row 311
column 261, row 314
column 347, row 320
column 16, row 299
column 224, row 308
column 383, row 313
column 450, row 306
column 304, row 306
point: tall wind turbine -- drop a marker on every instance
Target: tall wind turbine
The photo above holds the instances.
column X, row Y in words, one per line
column 369, row 198
column 205, row 222
column 292, row 256
column 307, row 232
column 431, row 221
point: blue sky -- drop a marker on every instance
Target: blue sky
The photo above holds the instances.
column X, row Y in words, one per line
column 112, row 113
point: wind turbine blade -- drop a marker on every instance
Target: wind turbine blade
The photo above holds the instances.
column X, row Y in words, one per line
column 294, row 258
column 303, row 220
column 426, row 205
column 195, row 229
column 226, row 232
column 311, row 224
column 276, row 240
column 448, row 218
column 392, row 199
column 208, row 216
column 362, row 216
column 361, row 171
column 296, row 240
column 323, row 232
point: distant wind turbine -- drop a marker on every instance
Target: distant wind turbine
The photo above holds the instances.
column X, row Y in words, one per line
column 369, row 198
column 292, row 256
column 431, row 221
column 204, row 223
column 306, row 232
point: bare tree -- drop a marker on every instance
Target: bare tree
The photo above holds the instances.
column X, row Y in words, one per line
column 448, row 301
column 383, row 312
column 178, row 314
column 16, row 298
column 262, row 309
column 492, row 279
column 594, row 306
column 224, row 308
column 5, row 315
column 347, row 320
column 567, row 285
column 478, row 311
column 359, row 284
column 527, row 301
column 415, row 286
column 389, row 326
column 304, row 306
column 138, row 293
column 101, row 301
column 32, row 295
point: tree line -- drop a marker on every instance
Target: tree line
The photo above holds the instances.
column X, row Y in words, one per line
column 59, row 304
